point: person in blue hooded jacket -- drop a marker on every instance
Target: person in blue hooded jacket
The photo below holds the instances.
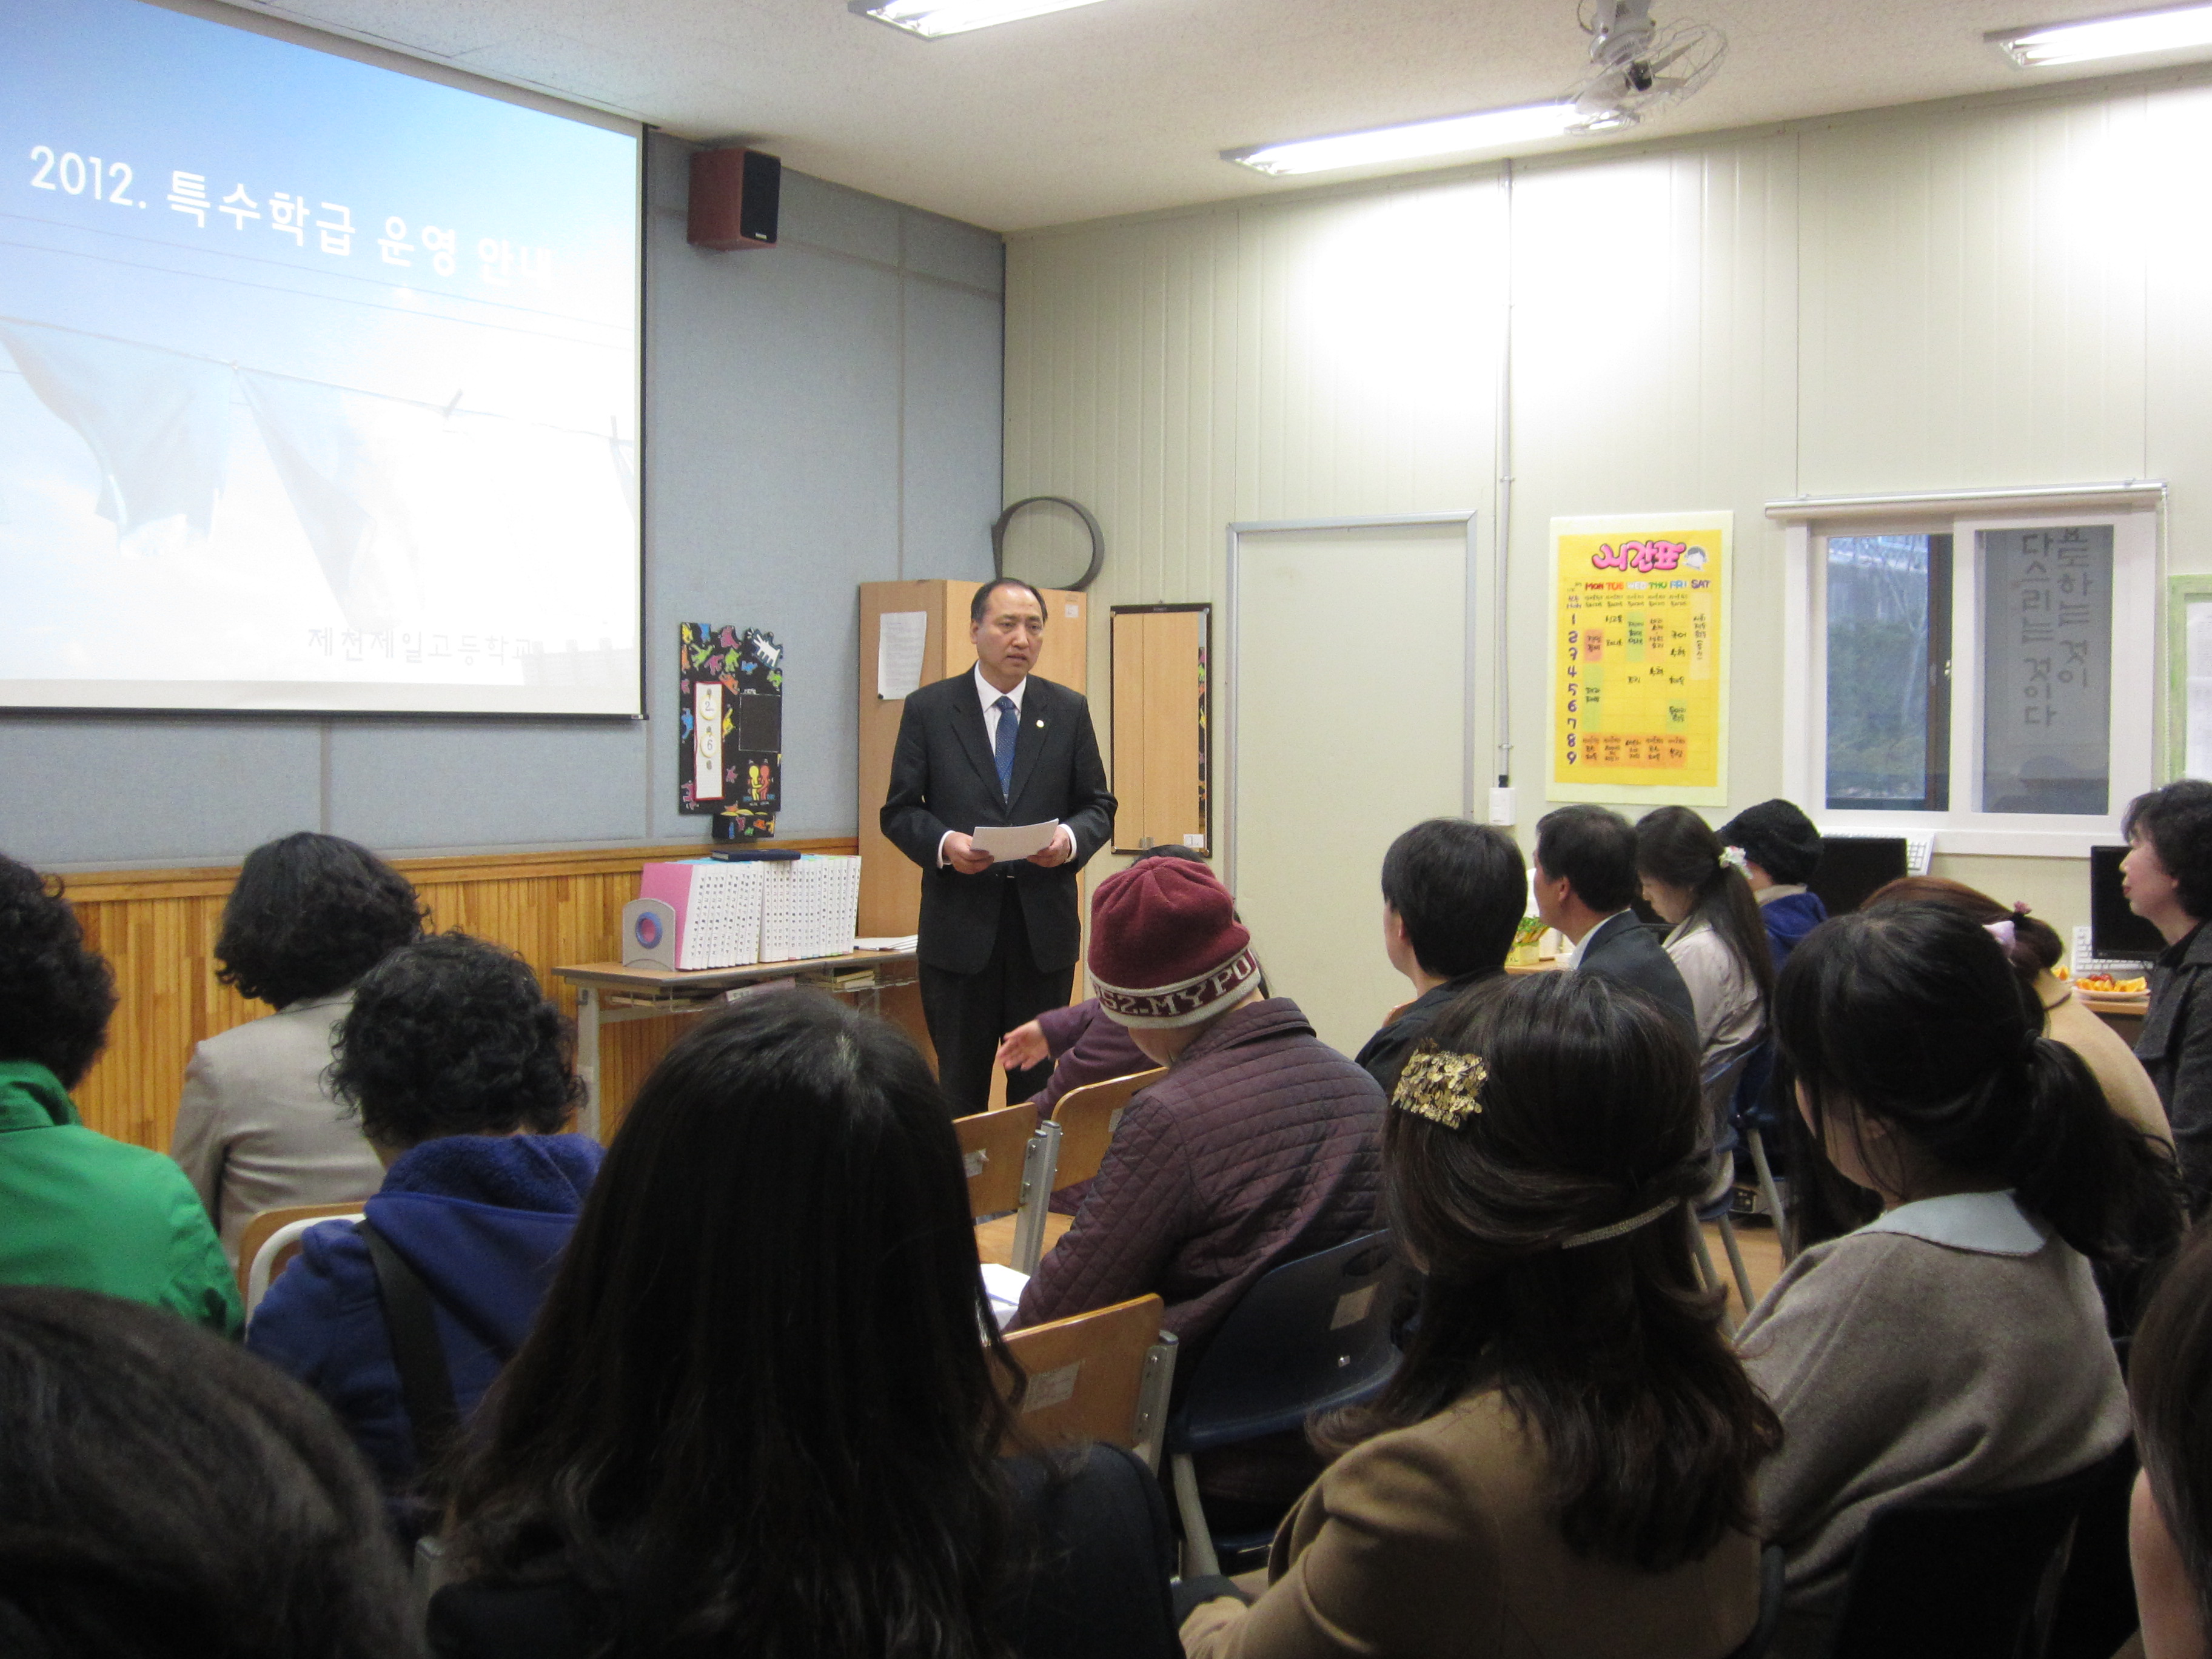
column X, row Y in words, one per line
column 461, row 1070
column 1781, row 850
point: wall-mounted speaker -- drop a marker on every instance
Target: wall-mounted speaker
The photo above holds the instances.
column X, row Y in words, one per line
column 734, row 194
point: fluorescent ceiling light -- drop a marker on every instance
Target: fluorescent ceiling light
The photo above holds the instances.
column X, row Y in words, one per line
column 1447, row 136
column 2107, row 37
column 931, row 18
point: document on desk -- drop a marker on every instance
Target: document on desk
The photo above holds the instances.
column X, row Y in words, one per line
column 1016, row 841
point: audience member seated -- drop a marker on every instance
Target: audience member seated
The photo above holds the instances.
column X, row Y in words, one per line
column 2167, row 877
column 1956, row 1344
column 77, row 1208
column 460, row 1071
column 757, row 1415
column 1720, row 948
column 2033, row 948
column 1453, row 895
column 1563, row 1464
column 257, row 1128
column 2170, row 1529
column 1586, row 884
column 1257, row 1146
column 163, row 1494
column 1083, row 1046
column 1781, row 850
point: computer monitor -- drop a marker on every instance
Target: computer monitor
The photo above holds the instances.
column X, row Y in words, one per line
column 1852, row 868
column 2116, row 933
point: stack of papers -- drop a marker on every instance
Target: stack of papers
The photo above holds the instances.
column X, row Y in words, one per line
column 903, row 942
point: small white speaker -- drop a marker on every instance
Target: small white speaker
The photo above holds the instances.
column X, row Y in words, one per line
column 648, row 934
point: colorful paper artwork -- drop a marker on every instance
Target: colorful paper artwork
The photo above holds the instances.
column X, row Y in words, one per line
column 1639, row 658
column 729, row 727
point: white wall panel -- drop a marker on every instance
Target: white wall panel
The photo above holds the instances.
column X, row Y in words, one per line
column 2010, row 293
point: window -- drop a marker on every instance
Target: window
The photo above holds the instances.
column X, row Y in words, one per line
column 1987, row 677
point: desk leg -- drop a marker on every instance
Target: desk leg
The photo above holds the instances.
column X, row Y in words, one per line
column 588, row 1058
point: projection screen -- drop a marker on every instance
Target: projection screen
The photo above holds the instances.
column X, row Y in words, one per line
column 318, row 381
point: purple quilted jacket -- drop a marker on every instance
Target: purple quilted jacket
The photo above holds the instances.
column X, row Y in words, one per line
column 1261, row 1145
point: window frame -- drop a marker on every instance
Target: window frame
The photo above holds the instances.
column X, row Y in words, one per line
column 2136, row 513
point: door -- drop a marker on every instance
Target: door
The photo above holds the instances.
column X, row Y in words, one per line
column 1350, row 722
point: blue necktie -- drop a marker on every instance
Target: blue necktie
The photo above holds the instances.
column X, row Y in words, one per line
column 1010, row 722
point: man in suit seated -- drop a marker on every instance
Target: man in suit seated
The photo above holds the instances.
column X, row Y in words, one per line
column 998, row 746
column 1453, row 894
column 1586, row 881
column 1261, row 1145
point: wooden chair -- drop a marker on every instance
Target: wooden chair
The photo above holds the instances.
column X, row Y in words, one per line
column 271, row 1239
column 1101, row 1375
column 1010, row 1160
column 1087, row 1118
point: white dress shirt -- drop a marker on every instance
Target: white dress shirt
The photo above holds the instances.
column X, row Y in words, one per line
column 989, row 696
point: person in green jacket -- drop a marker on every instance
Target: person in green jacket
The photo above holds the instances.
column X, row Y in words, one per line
column 77, row 1208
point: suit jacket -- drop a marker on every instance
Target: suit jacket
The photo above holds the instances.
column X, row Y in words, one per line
column 1620, row 947
column 944, row 777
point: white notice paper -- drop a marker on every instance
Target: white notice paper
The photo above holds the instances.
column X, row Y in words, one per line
column 900, row 639
column 1016, row 841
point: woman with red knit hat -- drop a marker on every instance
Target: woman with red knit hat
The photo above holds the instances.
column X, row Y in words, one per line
column 1260, row 1144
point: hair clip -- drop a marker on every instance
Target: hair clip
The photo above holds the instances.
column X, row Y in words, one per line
column 1732, row 858
column 2001, row 931
column 1599, row 1235
column 1444, row 1088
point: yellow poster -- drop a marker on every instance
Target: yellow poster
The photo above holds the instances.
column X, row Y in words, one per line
column 1639, row 658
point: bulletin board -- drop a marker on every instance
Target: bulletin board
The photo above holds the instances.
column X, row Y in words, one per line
column 1640, row 623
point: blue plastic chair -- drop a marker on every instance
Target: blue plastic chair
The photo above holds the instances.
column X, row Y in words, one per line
column 1311, row 1335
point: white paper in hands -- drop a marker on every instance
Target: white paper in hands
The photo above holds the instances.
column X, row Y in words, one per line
column 1004, row 1287
column 1016, row 841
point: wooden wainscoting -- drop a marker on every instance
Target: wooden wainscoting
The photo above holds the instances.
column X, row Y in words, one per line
column 158, row 929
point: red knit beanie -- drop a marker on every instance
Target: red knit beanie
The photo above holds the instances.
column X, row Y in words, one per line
column 1166, row 948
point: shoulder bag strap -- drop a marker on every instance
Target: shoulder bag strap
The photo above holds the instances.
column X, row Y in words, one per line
column 426, row 1386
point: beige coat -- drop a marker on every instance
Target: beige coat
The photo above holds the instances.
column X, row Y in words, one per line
column 257, row 1130
column 1435, row 1543
column 2128, row 1088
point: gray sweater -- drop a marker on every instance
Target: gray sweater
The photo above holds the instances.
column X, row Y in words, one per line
column 1954, row 1346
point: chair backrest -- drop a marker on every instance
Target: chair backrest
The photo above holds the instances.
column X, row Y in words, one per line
column 1310, row 1335
column 993, row 1146
column 1971, row 1577
column 272, row 1238
column 1088, row 1117
column 1098, row 1376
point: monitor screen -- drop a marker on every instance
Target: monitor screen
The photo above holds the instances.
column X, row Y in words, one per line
column 2116, row 933
column 1852, row 868
column 318, row 381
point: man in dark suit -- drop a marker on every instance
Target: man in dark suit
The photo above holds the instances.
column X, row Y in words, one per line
column 1586, row 881
column 996, row 746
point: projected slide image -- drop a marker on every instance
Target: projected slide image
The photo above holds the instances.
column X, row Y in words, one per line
column 318, row 377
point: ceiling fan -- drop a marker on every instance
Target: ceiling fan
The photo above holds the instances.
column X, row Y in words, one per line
column 1639, row 68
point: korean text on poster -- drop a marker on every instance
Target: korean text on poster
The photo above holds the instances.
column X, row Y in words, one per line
column 1639, row 655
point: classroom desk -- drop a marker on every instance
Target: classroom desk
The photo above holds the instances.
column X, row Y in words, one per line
column 608, row 994
column 2123, row 1011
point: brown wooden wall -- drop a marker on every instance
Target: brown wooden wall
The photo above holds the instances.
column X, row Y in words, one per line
column 158, row 929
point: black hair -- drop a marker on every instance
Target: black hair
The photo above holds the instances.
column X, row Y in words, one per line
column 1674, row 845
column 1594, row 848
column 1777, row 837
column 1460, row 890
column 310, row 915
column 756, row 1410
column 2170, row 1387
column 1611, row 1351
column 2035, row 946
column 982, row 602
column 1912, row 1013
column 452, row 1035
column 55, row 994
column 2176, row 821
column 164, row 1492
